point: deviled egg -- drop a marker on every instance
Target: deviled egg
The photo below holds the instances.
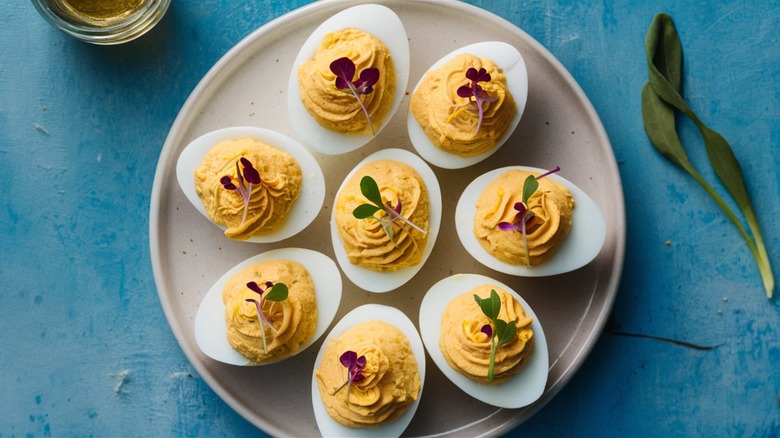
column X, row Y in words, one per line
column 376, row 252
column 521, row 389
column 572, row 240
column 348, row 79
column 458, row 117
column 211, row 328
column 393, row 367
column 302, row 210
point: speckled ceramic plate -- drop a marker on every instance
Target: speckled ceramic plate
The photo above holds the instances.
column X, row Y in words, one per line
column 559, row 127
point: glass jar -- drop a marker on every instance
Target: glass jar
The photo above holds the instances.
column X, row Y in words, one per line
column 103, row 21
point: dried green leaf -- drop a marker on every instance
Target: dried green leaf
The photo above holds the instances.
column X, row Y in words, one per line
column 660, row 97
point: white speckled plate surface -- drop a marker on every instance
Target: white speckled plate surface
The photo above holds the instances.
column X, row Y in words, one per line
column 559, row 127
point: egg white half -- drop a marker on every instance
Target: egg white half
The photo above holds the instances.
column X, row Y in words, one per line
column 521, row 389
column 511, row 62
column 303, row 211
column 377, row 20
column 369, row 312
column 373, row 281
column 210, row 328
column 583, row 243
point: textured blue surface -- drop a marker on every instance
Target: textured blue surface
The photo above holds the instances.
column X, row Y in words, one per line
column 86, row 349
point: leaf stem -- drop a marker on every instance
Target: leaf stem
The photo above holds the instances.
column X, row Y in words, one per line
column 491, row 367
column 759, row 252
column 343, row 384
column 481, row 115
column 525, row 241
column 396, row 215
column 362, row 106
column 247, row 195
column 262, row 328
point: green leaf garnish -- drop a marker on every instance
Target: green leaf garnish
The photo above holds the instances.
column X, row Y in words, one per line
column 490, row 306
column 345, row 69
column 354, row 365
column 504, row 331
column 363, row 211
column 660, row 97
column 524, row 219
column 249, row 176
column 475, row 94
column 529, row 187
column 276, row 292
column 370, row 189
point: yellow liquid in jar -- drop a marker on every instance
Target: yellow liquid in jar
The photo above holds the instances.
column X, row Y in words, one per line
column 99, row 12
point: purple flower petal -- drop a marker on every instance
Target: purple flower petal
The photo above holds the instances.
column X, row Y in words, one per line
column 348, row 358
column 358, row 376
column 472, row 74
column 368, row 77
column 506, row 226
column 250, row 173
column 480, row 75
column 363, row 88
column 360, row 363
column 464, row 91
column 488, row 330
column 227, row 183
column 254, row 287
column 341, row 84
column 520, row 207
column 344, row 69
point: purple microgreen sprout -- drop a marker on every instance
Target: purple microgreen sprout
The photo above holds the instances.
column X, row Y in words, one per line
column 370, row 189
column 249, row 176
column 474, row 92
column 275, row 292
column 504, row 331
column 354, row 366
column 344, row 69
column 524, row 219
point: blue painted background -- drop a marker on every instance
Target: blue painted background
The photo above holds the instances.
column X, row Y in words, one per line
column 86, row 349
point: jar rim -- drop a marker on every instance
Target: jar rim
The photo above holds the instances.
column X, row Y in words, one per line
column 125, row 30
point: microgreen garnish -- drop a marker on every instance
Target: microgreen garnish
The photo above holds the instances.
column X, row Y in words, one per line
column 354, row 366
column 370, row 189
column 504, row 331
column 275, row 292
column 525, row 221
column 344, row 69
column 249, row 176
column 474, row 92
